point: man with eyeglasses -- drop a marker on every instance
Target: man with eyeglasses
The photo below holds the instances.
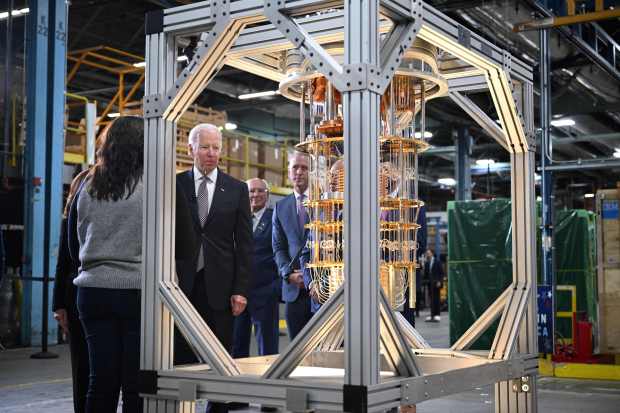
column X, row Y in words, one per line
column 264, row 292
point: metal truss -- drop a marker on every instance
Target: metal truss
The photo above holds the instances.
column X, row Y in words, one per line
column 380, row 360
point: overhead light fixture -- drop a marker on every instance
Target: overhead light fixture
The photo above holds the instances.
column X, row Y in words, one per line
column 143, row 64
column 427, row 135
column 258, row 94
column 537, row 177
column 588, row 195
column 617, row 154
column 230, row 126
column 447, row 181
column 562, row 122
column 539, row 198
column 14, row 13
column 114, row 115
column 485, row 162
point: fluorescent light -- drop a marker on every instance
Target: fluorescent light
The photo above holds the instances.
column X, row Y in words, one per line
column 230, row 126
column 562, row 122
column 617, row 154
column 539, row 198
column 537, row 177
column 447, row 181
column 114, row 115
column 143, row 64
column 588, row 195
column 258, row 94
column 14, row 13
column 485, row 162
column 427, row 135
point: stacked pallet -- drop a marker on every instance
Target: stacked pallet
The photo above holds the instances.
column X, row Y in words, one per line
column 608, row 254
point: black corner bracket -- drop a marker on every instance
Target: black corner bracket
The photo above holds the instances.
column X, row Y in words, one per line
column 154, row 22
column 147, row 381
column 355, row 398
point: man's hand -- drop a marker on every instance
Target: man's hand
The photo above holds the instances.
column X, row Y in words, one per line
column 313, row 292
column 238, row 304
column 296, row 278
column 60, row 315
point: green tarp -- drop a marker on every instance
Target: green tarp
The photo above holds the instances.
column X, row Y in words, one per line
column 480, row 262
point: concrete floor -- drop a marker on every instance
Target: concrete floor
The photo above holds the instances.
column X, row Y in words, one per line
column 30, row 386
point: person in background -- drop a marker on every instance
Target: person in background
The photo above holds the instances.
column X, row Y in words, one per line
column 265, row 290
column 433, row 272
column 65, row 309
column 216, row 274
column 106, row 216
column 288, row 239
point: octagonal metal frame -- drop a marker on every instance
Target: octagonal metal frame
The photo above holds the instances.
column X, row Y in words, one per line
column 358, row 314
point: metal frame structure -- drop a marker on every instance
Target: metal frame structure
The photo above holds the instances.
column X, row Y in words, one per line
column 384, row 363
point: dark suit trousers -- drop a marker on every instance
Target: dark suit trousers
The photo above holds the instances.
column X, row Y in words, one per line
column 435, row 310
column 219, row 321
column 297, row 313
column 265, row 321
column 408, row 312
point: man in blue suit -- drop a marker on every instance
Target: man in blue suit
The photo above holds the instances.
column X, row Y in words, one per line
column 264, row 291
column 288, row 239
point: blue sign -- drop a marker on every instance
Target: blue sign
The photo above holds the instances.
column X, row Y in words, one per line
column 545, row 319
column 610, row 209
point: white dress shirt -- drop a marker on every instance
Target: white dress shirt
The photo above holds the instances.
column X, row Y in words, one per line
column 210, row 185
column 256, row 216
column 297, row 195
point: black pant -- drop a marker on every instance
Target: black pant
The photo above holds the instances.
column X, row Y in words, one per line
column 297, row 313
column 111, row 321
column 219, row 321
column 408, row 312
column 79, row 360
column 435, row 310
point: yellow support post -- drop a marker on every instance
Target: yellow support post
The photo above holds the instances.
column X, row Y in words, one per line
column 246, row 158
column 571, row 7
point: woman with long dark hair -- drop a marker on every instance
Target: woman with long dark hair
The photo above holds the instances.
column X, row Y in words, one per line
column 106, row 216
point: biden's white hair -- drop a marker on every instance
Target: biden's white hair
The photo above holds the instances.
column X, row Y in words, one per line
column 207, row 127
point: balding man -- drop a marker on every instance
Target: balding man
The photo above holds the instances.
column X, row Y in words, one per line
column 289, row 238
column 217, row 276
column 264, row 292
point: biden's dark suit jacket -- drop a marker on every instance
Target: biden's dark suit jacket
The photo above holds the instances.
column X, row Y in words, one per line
column 226, row 238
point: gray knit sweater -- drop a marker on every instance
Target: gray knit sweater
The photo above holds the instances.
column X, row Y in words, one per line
column 110, row 235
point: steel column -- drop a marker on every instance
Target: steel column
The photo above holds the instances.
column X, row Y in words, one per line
column 361, row 211
column 44, row 159
column 158, row 221
column 463, row 170
column 546, row 174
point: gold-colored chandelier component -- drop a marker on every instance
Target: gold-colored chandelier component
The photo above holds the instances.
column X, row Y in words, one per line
column 402, row 123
